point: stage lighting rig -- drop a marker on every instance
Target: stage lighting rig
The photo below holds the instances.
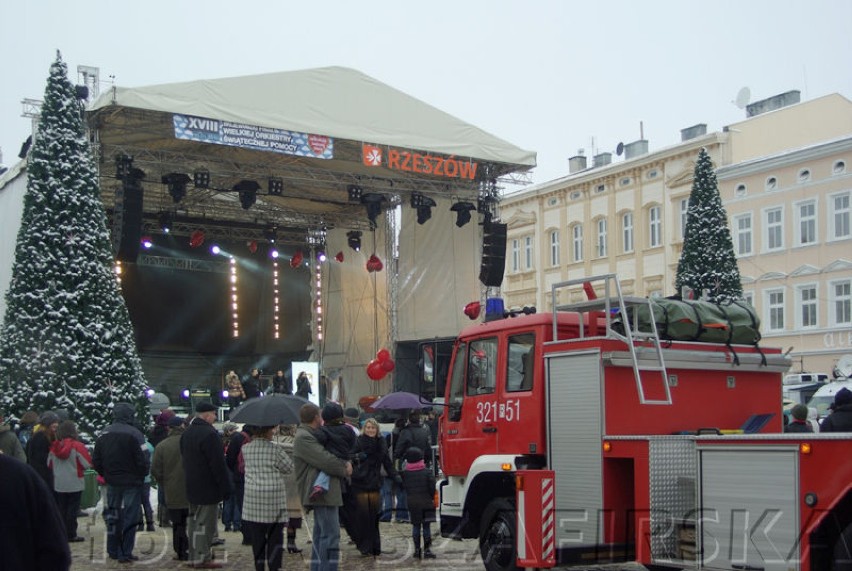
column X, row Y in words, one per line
column 462, row 210
column 355, row 193
column 166, row 219
column 353, row 238
column 201, row 178
column 373, row 202
column 276, row 186
column 176, row 183
column 123, row 164
column 424, row 205
column 248, row 192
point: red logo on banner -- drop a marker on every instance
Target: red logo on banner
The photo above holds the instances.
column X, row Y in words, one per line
column 318, row 143
column 372, row 156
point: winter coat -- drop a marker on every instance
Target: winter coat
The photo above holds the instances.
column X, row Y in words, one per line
column 232, row 456
column 121, row 454
column 69, row 459
column 265, row 499
column 415, row 434
column 838, row 421
column 799, row 426
column 309, row 457
column 32, row 533
column 419, row 487
column 282, row 385
column 371, row 454
column 207, row 479
column 235, row 388
column 338, row 438
column 9, row 443
column 167, row 470
column 38, row 448
column 294, row 500
column 251, row 387
column 303, row 386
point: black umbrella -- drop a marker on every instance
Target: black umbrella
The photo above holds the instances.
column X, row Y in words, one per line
column 270, row 410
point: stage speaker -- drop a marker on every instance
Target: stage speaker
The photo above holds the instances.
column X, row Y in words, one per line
column 493, row 254
column 127, row 219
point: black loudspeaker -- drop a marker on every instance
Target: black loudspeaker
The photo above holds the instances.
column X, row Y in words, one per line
column 127, row 220
column 493, row 254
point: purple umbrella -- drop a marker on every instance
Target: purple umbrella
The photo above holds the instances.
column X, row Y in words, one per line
column 401, row 400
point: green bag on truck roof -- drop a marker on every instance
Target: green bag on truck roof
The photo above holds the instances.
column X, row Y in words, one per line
column 695, row 320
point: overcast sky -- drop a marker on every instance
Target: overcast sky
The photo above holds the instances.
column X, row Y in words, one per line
column 552, row 77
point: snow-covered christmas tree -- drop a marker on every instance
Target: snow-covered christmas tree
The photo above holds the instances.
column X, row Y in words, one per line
column 67, row 341
column 708, row 261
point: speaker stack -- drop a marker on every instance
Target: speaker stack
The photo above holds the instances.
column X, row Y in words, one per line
column 493, row 254
column 127, row 217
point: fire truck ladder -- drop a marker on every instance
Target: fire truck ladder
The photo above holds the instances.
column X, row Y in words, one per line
column 629, row 332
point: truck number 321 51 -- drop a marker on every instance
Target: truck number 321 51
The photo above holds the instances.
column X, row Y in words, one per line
column 490, row 411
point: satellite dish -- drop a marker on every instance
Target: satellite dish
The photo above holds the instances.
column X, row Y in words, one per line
column 844, row 366
column 743, row 97
column 619, row 149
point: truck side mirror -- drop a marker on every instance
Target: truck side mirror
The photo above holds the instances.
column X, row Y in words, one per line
column 454, row 411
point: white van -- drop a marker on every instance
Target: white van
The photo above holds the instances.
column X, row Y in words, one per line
column 825, row 396
column 797, row 378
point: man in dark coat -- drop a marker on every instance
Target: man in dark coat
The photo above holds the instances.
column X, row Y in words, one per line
column 121, row 458
column 38, row 446
column 167, row 470
column 251, row 384
column 414, row 434
column 840, row 419
column 799, row 420
column 207, row 483
column 32, row 533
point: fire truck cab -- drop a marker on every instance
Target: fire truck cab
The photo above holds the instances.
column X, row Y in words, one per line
column 574, row 437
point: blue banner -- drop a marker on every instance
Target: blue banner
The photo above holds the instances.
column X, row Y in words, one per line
column 190, row 128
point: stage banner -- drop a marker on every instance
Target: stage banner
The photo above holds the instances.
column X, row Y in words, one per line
column 218, row 132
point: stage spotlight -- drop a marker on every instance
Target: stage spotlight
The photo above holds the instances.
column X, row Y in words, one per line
column 201, row 178
column 147, row 242
column 185, row 393
column 149, row 392
column 353, row 237
column 215, row 250
column 462, row 210
column 273, row 253
column 355, row 193
column 424, row 205
column 123, row 164
column 271, row 234
column 225, row 394
column 373, row 202
column 276, row 186
column 321, row 255
column 166, row 219
column 176, row 182
column 248, row 192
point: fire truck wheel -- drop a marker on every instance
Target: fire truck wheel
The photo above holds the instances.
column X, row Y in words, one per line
column 843, row 551
column 498, row 537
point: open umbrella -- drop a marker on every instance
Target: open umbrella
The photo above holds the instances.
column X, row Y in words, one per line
column 401, row 400
column 270, row 410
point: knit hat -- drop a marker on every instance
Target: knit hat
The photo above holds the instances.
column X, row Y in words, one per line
column 332, row 411
column 414, row 454
column 164, row 417
column 204, row 407
column 175, row 422
column 48, row 418
column 799, row 412
column 352, row 413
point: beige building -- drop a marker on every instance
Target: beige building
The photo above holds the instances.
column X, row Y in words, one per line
column 785, row 177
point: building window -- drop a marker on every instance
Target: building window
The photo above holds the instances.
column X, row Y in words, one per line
column 775, row 309
column 575, row 195
column 806, row 223
column 742, row 233
column 838, row 168
column 840, row 298
column 627, row 232
column 774, row 229
column 552, row 201
column 528, row 253
column 684, row 212
column 804, row 175
column 602, row 238
column 625, row 181
column 740, row 191
column 771, row 183
column 807, row 301
column 839, row 216
column 600, row 188
column 554, row 248
column 516, row 255
column 655, row 227
column 748, row 297
column 577, row 234
column 652, row 174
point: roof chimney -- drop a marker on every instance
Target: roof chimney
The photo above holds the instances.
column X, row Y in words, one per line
column 576, row 163
column 693, row 132
column 634, row 149
column 601, row 159
column 773, row 103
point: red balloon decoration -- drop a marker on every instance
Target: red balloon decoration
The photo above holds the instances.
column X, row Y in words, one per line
column 375, row 370
column 374, row 264
column 383, row 355
column 388, row 365
column 252, row 246
column 196, row 239
column 297, row 259
column 472, row 309
column 339, row 257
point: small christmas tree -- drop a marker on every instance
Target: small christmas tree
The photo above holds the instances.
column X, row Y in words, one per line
column 66, row 341
column 708, row 261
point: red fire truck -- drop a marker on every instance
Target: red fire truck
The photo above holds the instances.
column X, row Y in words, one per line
column 576, row 437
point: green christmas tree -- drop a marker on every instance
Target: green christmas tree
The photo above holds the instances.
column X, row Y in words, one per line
column 66, row 342
column 708, row 261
